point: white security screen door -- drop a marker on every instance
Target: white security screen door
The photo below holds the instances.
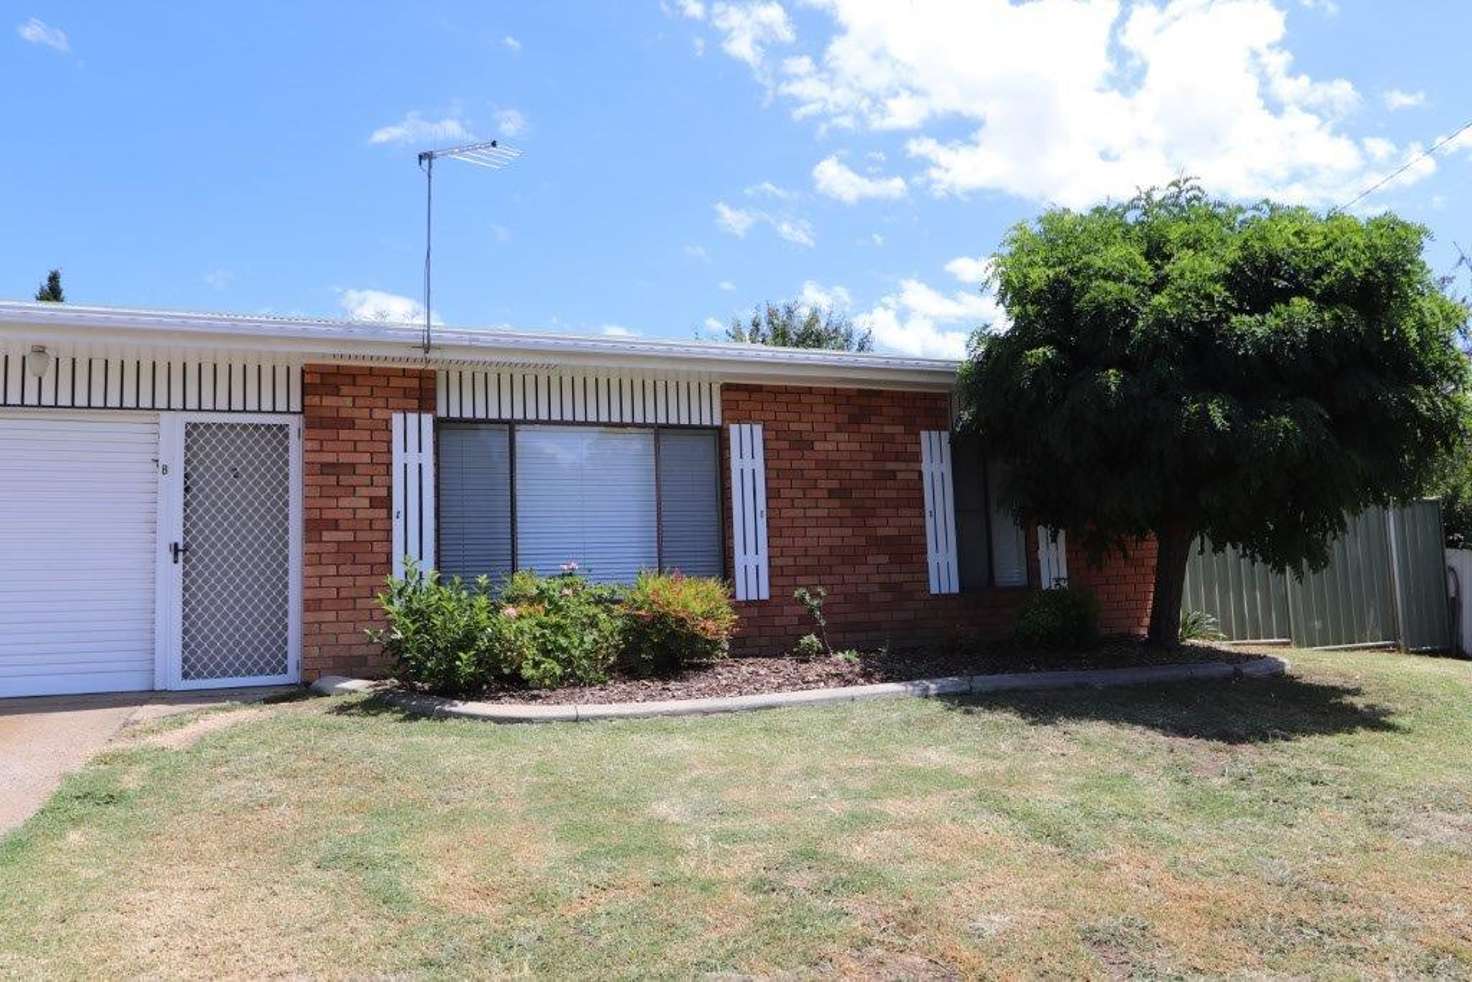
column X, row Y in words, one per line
column 231, row 559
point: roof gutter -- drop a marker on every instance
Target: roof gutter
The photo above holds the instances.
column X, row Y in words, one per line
column 393, row 343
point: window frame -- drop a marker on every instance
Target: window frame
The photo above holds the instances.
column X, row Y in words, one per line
column 511, row 426
column 985, row 476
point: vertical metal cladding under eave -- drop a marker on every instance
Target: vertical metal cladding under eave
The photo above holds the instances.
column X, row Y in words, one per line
column 572, row 396
column 79, row 379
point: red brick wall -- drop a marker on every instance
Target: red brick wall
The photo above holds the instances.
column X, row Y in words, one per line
column 347, row 457
column 844, row 511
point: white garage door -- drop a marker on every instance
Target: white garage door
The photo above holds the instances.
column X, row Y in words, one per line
column 79, row 499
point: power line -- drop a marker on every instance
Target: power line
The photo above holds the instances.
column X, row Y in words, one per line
column 1403, row 168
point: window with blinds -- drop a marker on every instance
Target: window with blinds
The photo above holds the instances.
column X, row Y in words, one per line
column 991, row 545
column 473, row 464
column 613, row 500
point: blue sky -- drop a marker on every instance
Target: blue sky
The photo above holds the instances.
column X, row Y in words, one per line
column 685, row 159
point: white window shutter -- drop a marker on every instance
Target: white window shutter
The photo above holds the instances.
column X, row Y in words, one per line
column 1052, row 558
column 940, row 511
column 749, row 512
column 413, row 490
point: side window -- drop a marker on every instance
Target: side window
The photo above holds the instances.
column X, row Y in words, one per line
column 991, row 545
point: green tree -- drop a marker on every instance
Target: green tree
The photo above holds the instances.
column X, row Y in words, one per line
column 50, row 291
column 1179, row 366
column 795, row 325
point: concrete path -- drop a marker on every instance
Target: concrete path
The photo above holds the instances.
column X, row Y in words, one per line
column 43, row 739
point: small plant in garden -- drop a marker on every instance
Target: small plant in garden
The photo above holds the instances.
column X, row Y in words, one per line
column 1067, row 617
column 671, row 621
column 1198, row 625
column 812, row 602
column 808, row 647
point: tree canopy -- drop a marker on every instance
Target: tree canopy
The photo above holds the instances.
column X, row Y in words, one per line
column 1180, row 366
column 796, row 325
column 50, row 291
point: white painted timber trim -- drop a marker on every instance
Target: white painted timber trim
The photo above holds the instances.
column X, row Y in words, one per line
column 940, row 511
column 24, row 323
column 413, row 490
column 572, row 395
column 749, row 512
column 1052, row 558
column 493, row 712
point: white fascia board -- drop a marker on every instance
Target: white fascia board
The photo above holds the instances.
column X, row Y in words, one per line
column 329, row 340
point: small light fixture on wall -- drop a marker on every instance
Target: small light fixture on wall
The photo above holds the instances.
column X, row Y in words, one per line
column 38, row 362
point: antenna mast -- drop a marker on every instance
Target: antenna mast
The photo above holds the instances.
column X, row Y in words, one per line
column 493, row 155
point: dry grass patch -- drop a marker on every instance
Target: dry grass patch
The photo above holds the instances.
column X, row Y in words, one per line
column 1311, row 826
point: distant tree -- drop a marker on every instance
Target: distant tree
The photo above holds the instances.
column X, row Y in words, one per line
column 1178, row 367
column 1453, row 482
column 796, row 325
column 50, row 291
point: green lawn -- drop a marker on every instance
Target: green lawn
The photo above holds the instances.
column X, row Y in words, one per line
column 1319, row 824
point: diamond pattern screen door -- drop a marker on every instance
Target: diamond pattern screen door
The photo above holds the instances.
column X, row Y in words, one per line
column 233, row 560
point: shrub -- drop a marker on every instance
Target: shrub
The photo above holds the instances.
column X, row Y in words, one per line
column 438, row 630
column 808, row 647
column 564, row 629
column 1061, row 618
column 671, row 621
column 1198, row 625
column 542, row 632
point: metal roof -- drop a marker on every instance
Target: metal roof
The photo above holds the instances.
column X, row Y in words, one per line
column 398, row 343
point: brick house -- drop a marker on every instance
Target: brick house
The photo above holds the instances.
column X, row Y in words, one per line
column 206, row 500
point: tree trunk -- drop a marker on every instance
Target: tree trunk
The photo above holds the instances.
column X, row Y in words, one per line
column 1174, row 548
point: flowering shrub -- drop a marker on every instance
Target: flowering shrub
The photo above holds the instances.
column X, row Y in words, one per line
column 568, row 629
column 671, row 620
column 452, row 638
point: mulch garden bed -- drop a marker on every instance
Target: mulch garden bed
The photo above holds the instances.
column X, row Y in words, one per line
column 749, row 676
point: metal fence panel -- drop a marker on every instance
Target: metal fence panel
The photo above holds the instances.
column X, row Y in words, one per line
column 1249, row 601
column 1420, row 576
column 1385, row 584
column 1348, row 602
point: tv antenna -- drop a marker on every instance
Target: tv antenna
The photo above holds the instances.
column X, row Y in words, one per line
column 493, row 155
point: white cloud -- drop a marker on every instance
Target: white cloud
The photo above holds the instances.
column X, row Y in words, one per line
column 698, row 46
column 219, row 279
column 968, row 269
column 500, row 233
column 726, row 286
column 770, row 190
column 734, row 220
column 1397, row 99
column 697, row 252
column 1328, row 7
column 921, row 320
column 795, row 230
column 694, row 9
column 378, row 305
column 714, row 326
column 617, row 331
column 816, row 295
column 510, row 122
column 876, row 238
column 511, row 44
column 739, row 221
column 414, row 128
column 1074, row 101
column 37, row 31
column 833, row 178
column 750, row 28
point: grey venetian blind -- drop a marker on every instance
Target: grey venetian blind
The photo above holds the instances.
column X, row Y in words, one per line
column 585, row 495
column 690, row 502
column 474, row 463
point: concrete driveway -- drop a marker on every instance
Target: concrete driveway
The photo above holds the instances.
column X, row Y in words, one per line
column 43, row 739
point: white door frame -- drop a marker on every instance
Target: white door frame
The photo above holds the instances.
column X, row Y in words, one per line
column 169, row 574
